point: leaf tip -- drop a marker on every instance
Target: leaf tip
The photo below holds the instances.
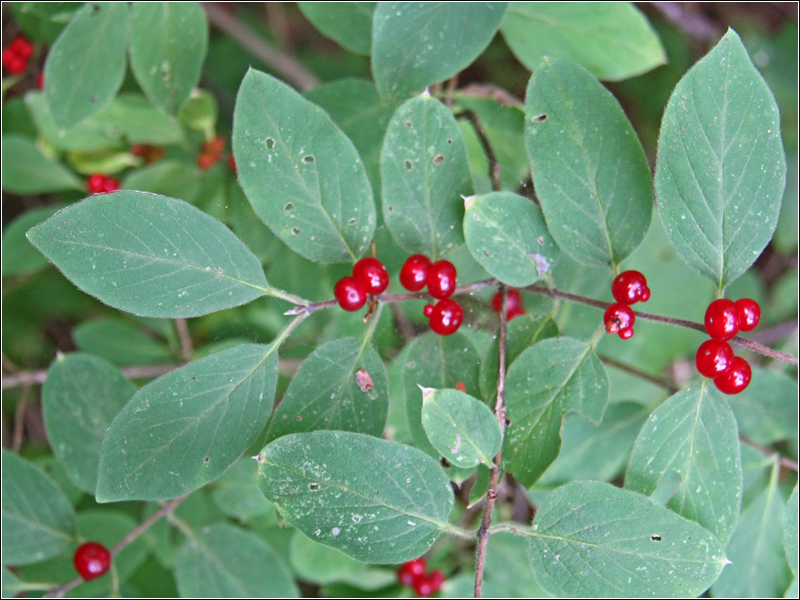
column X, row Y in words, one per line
column 258, row 458
column 468, row 200
column 426, row 392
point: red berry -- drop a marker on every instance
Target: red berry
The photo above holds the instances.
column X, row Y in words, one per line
column 513, row 305
column 110, row 184
column 22, row 47
column 626, row 334
column 749, row 313
column 714, row 357
column 414, row 274
column 409, row 572
column 428, row 311
column 736, row 378
column 40, row 81
column 618, row 318
column 350, row 294
column 446, row 317
column 630, row 287
column 13, row 62
column 427, row 586
column 722, row 319
column 206, row 161
column 95, row 184
column 213, row 147
column 232, row 163
column 91, row 560
column 371, row 273
column 441, row 279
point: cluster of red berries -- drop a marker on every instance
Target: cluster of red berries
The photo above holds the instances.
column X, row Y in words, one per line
column 418, row 272
column 149, row 154
column 98, row 183
column 17, row 54
column 627, row 288
column 91, row 560
column 715, row 359
column 210, row 153
column 412, row 574
column 369, row 277
column 514, row 306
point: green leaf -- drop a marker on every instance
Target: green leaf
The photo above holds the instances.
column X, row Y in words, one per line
column 302, row 175
column 757, row 566
column 374, row 500
column 766, row 411
column 87, row 136
column 437, row 362
column 223, row 561
column 611, row 40
column 18, row 256
column 120, row 342
column 595, row 540
column 507, row 235
column 86, row 65
column 325, row 392
column 27, row 171
column 132, row 116
column 460, row 427
column 348, row 23
column 589, row 169
column 184, row 429
column 150, row 255
column 167, row 47
column 721, row 169
column 200, row 112
column 38, row 521
column 694, row 435
column 546, row 381
column 424, row 172
column 237, row 495
column 790, row 534
column 80, row 398
column 173, row 178
column 417, row 44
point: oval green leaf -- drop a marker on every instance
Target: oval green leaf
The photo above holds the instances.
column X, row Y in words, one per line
column 790, row 534
column 507, row 235
column 342, row 385
column 721, row 168
column 224, row 561
column 424, row 173
column 80, row 398
column 693, row 434
column 374, row 500
column 27, row 171
column 86, row 65
column 766, row 412
column 460, row 427
column 302, row 175
column 612, row 40
column 88, row 135
column 184, row 429
column 38, row 520
column 596, row 540
column 546, row 381
column 132, row 116
column 150, row 255
column 347, row 23
column 415, row 44
column 237, row 495
column 121, row 342
column 589, row 169
column 18, row 256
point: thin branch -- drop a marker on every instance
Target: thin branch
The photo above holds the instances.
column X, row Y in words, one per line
column 693, row 24
column 19, row 419
column 134, row 372
column 784, row 461
column 494, row 92
column 284, row 64
column 186, row 339
column 660, row 381
column 494, row 166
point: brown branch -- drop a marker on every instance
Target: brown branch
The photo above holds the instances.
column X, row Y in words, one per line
column 135, row 372
column 186, row 339
column 19, row 419
column 288, row 67
column 494, row 166
column 639, row 373
column 494, row 92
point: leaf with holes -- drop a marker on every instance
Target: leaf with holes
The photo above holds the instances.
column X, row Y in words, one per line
column 424, row 173
column 150, row 255
column 687, row 435
column 721, row 168
column 184, row 429
column 589, row 169
column 329, row 391
column 507, row 235
column 302, row 175
column 546, row 381
column 592, row 539
column 374, row 500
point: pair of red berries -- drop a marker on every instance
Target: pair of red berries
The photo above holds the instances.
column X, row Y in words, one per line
column 16, row 55
column 98, row 183
column 412, row 574
column 715, row 359
column 369, row 277
column 210, row 153
column 627, row 288
column 514, row 306
column 418, row 272
column 91, row 560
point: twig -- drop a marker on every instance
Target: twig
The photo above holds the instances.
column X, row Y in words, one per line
column 186, row 339
column 19, row 419
column 284, row 64
column 134, row 372
column 494, row 92
column 494, row 477
column 638, row 373
column 784, row 461
column 694, row 25
column 494, row 166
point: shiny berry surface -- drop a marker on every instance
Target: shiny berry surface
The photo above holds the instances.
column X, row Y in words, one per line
column 414, row 274
column 626, row 334
column 441, row 279
column 513, row 306
column 446, row 317
column 427, row 586
column 409, row 572
column 618, row 318
column 713, row 358
column 91, row 560
column 371, row 273
column 630, row 287
column 749, row 313
column 736, row 378
column 350, row 294
column 722, row 319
